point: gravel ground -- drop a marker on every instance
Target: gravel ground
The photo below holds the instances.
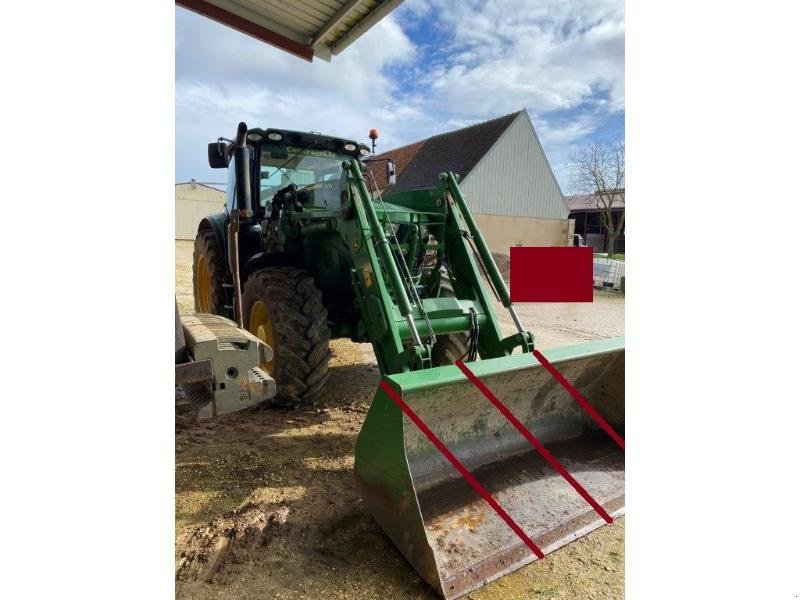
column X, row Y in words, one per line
column 266, row 505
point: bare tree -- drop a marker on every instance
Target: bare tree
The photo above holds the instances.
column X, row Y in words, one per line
column 599, row 169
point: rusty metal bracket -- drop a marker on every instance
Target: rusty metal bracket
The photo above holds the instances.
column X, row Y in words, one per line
column 194, row 372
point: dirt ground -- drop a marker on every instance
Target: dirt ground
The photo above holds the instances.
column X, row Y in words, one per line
column 266, row 505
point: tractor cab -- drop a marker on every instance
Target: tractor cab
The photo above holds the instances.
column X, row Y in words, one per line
column 316, row 174
column 308, row 164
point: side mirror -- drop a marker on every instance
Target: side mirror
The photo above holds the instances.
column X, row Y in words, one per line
column 217, row 156
column 391, row 177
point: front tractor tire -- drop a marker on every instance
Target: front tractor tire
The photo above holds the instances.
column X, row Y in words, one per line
column 449, row 347
column 208, row 274
column 283, row 308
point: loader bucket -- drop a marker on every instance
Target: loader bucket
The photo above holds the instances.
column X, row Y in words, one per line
column 451, row 536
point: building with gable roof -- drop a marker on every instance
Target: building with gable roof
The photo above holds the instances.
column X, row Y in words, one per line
column 506, row 179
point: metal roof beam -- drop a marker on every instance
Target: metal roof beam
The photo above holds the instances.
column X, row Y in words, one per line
column 247, row 26
column 337, row 18
column 379, row 12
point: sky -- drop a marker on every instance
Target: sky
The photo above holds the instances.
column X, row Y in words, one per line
column 431, row 66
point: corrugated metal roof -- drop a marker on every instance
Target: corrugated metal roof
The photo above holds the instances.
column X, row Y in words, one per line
column 584, row 202
column 305, row 28
column 502, row 165
column 457, row 151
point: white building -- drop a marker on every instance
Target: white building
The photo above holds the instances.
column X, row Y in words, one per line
column 505, row 177
column 193, row 202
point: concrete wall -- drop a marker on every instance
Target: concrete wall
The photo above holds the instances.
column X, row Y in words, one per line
column 193, row 202
column 501, row 233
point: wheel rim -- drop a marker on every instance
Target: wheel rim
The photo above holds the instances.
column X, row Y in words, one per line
column 259, row 324
column 203, row 290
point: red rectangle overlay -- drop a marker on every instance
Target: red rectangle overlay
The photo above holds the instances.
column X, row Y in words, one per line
column 551, row 274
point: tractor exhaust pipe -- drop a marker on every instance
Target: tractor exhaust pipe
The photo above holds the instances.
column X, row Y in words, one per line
column 241, row 157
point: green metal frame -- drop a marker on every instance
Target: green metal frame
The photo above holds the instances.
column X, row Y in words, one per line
column 354, row 260
column 380, row 292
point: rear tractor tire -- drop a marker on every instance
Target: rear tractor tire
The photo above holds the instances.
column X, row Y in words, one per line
column 283, row 308
column 208, row 274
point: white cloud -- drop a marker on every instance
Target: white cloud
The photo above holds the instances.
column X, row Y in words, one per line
column 474, row 60
column 224, row 77
column 416, row 8
column 574, row 129
column 563, row 61
column 546, row 55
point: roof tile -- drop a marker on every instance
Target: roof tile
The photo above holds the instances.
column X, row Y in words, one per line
column 401, row 157
column 418, row 165
column 581, row 202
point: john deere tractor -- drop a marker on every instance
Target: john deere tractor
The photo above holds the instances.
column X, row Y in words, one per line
column 308, row 249
column 306, row 272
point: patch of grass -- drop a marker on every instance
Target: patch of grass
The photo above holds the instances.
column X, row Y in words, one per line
column 619, row 256
column 542, row 591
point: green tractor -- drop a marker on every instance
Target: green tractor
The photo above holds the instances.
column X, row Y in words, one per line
column 308, row 250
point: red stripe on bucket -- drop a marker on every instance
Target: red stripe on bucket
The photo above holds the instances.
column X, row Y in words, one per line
column 461, row 468
column 580, row 399
column 534, row 441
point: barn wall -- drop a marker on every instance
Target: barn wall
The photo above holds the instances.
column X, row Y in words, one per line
column 192, row 204
column 514, row 178
column 501, row 233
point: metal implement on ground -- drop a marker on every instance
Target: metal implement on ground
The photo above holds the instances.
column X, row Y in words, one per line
column 321, row 254
column 218, row 366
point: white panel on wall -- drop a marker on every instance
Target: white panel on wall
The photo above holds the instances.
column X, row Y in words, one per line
column 514, row 178
column 193, row 202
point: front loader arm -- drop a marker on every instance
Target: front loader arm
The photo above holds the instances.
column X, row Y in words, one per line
column 391, row 321
column 464, row 244
column 381, row 305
